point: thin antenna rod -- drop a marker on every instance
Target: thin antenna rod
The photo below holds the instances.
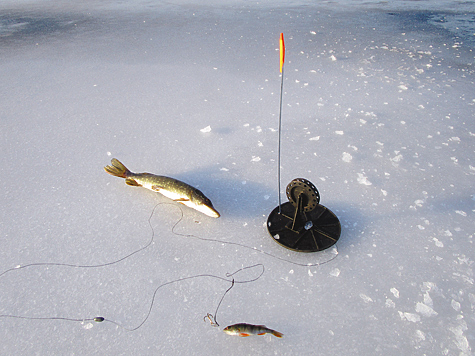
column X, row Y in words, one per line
column 280, row 134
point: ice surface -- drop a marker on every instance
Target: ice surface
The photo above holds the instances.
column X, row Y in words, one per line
column 378, row 113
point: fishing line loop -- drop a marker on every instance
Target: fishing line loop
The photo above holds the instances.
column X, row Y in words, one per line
column 227, row 277
column 57, row 264
column 249, row 247
column 214, row 322
column 152, row 303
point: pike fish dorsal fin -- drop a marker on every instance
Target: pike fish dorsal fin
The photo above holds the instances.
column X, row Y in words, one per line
column 132, row 182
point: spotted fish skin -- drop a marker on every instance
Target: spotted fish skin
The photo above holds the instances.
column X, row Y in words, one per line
column 243, row 330
column 170, row 187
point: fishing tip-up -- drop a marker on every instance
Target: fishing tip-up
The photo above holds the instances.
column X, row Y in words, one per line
column 301, row 224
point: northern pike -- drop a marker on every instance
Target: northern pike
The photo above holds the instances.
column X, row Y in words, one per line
column 171, row 188
column 244, row 329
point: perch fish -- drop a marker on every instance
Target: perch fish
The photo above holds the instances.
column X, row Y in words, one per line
column 171, row 188
column 244, row 329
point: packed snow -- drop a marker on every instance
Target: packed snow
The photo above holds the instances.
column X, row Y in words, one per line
column 378, row 113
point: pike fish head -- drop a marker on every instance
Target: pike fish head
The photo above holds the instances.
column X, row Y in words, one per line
column 204, row 205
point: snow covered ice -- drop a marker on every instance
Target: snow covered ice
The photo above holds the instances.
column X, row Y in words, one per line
column 378, row 113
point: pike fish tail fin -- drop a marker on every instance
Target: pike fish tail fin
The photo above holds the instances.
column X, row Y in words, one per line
column 117, row 169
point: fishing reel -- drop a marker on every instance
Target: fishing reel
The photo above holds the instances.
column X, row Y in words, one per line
column 302, row 224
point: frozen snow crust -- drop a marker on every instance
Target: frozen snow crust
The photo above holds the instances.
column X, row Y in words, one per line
column 378, row 113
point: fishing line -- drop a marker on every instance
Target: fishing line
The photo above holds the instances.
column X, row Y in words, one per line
column 152, row 302
column 57, row 264
column 250, row 247
column 49, row 264
column 214, row 322
column 102, row 319
column 98, row 319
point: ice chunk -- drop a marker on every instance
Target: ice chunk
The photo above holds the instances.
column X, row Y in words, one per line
column 346, row 157
column 425, row 310
column 362, row 179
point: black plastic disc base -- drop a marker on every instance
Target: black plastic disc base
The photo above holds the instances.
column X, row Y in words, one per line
column 311, row 231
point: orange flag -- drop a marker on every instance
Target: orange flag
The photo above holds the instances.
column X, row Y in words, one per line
column 282, row 51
